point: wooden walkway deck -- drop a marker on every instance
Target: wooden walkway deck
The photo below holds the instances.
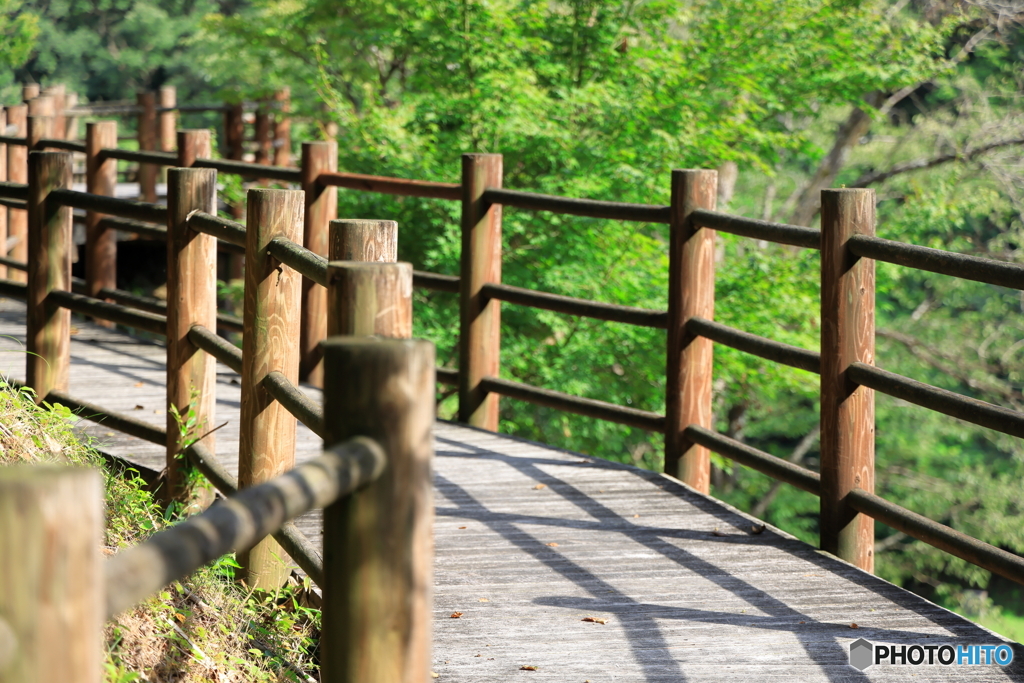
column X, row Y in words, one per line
column 531, row 540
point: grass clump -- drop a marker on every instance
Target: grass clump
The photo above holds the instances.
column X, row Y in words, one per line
column 208, row 628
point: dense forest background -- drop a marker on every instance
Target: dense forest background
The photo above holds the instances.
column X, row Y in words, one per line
column 918, row 99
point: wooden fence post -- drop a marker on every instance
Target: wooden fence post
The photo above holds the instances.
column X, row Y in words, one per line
column 691, row 292
column 191, row 300
column 378, row 542
column 59, row 95
column 41, row 106
column 168, row 120
column 17, row 172
column 363, row 240
column 39, row 128
column 847, row 411
column 283, row 128
column 48, row 333
column 100, row 179
column 29, row 91
column 365, row 299
column 71, row 121
column 3, row 178
column 51, row 585
column 261, row 130
column 321, row 209
column 234, row 132
column 271, row 318
column 192, row 145
column 480, row 324
column 147, row 143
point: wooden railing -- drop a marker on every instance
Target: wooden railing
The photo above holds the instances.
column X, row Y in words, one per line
column 845, row 361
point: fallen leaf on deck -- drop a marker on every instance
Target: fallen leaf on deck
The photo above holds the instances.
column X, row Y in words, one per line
column 434, row 674
column 462, row 527
column 140, row 407
column 758, row 528
column 716, row 532
column 635, row 516
column 553, row 545
column 74, row 330
column 854, row 626
column 140, row 384
column 595, row 620
column 538, row 487
column 483, row 599
column 529, row 668
column 456, row 615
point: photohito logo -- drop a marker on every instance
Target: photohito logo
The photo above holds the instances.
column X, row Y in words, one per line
column 864, row 654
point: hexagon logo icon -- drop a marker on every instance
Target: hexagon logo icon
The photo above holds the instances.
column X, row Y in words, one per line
column 861, row 654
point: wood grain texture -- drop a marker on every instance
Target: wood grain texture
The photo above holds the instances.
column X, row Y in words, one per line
column 71, row 121
column 17, row 172
column 365, row 299
column 29, row 91
column 191, row 300
column 49, row 268
column 691, row 293
column 39, row 126
column 480, row 318
column 363, row 240
column 847, row 410
column 283, row 128
column 378, row 548
column 321, row 209
column 167, row 121
column 192, row 145
column 3, row 209
column 683, row 602
column 41, row 105
column 147, row 134
column 51, row 573
column 101, row 179
column 271, row 319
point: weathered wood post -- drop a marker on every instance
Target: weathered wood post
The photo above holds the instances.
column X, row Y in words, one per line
column 363, row 240
column 3, row 178
column 365, row 299
column 147, row 143
column 691, row 292
column 39, row 128
column 192, row 145
column 17, row 172
column 271, row 318
column 847, row 411
column 480, row 324
column 51, row 574
column 48, row 333
column 234, row 132
column 191, row 300
column 261, row 131
column 168, row 118
column 378, row 542
column 41, row 105
column 29, row 91
column 321, row 209
column 71, row 121
column 283, row 128
column 100, row 179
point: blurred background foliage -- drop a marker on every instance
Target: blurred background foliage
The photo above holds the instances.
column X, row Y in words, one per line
column 918, row 99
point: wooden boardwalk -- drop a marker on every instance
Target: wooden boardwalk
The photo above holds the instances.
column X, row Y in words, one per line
column 531, row 541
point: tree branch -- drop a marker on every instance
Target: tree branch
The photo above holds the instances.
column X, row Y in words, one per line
column 874, row 177
column 798, row 454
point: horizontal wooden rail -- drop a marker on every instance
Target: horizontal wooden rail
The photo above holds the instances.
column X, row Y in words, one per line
column 937, row 535
column 589, row 407
column 295, row 402
column 395, row 186
column 125, row 208
column 761, row 347
column 115, row 313
column 11, row 263
column 119, row 421
column 66, row 145
column 147, row 157
column 14, row 290
column 218, row 347
column 221, row 228
column 250, row 170
column 435, row 281
column 294, row 542
column 151, row 230
column 780, row 233
column 14, row 203
column 939, row 261
column 239, row 522
column 940, row 400
column 448, row 376
column 577, row 207
column 312, row 266
column 629, row 315
column 14, row 190
column 774, row 467
column 13, row 140
column 148, row 304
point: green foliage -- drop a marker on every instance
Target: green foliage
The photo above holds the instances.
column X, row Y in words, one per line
column 18, row 31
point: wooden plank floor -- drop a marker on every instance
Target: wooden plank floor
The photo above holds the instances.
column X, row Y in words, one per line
column 531, row 540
